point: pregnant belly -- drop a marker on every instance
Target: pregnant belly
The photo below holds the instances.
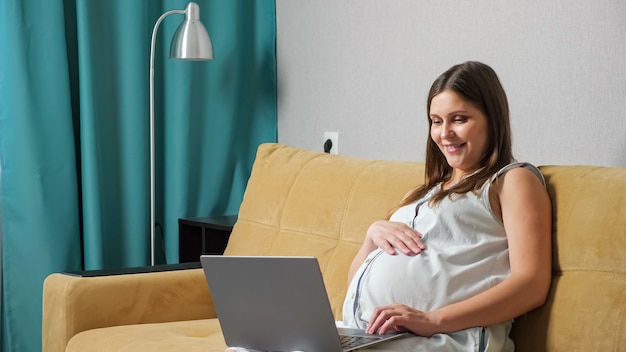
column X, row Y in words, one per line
column 430, row 280
column 410, row 280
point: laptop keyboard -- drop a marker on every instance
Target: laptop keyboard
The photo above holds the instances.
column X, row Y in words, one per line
column 348, row 341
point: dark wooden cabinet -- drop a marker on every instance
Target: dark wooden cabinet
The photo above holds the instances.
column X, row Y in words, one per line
column 198, row 236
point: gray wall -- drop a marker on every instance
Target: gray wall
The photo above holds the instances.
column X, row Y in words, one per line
column 363, row 69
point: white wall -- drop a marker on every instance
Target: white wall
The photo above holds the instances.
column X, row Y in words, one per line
column 363, row 68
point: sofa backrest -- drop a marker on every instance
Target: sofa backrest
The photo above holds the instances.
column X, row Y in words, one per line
column 586, row 307
column 300, row 202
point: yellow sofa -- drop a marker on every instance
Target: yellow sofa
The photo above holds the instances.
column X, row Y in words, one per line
column 300, row 202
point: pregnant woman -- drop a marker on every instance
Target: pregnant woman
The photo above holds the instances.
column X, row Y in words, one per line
column 467, row 251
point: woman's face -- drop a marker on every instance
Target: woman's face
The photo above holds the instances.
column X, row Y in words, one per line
column 460, row 131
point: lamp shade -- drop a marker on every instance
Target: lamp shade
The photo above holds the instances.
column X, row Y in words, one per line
column 191, row 40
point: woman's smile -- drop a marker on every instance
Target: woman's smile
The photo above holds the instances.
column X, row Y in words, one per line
column 453, row 148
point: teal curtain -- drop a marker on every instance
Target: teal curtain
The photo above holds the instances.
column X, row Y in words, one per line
column 74, row 135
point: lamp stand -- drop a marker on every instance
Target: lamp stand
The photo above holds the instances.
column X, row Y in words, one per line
column 191, row 42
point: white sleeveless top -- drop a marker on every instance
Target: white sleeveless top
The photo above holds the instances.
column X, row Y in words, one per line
column 466, row 253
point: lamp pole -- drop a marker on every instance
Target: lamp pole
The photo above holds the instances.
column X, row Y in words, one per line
column 191, row 42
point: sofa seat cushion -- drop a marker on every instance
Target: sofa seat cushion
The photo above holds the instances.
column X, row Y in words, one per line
column 193, row 335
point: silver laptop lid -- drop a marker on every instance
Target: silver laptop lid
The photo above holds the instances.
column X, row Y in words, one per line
column 271, row 303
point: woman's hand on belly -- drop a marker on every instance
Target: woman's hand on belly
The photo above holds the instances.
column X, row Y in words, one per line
column 393, row 236
column 399, row 317
column 389, row 236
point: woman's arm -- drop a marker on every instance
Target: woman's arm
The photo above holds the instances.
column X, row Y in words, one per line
column 526, row 214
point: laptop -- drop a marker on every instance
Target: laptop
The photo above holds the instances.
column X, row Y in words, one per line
column 277, row 304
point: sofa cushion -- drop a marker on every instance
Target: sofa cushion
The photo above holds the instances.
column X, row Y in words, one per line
column 587, row 302
column 181, row 336
column 300, row 202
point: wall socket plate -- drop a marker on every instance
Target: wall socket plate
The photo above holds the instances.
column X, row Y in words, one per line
column 334, row 138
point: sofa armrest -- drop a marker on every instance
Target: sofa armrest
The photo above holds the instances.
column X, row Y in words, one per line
column 72, row 304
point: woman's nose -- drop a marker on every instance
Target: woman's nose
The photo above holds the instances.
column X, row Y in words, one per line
column 446, row 131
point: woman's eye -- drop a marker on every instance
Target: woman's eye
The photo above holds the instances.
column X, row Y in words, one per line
column 460, row 119
column 436, row 122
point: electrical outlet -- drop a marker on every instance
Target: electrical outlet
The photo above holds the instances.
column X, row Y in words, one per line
column 334, row 139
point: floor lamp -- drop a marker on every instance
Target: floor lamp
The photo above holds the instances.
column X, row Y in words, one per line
column 191, row 42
